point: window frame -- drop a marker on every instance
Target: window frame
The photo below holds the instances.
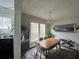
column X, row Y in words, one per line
column 38, row 28
column 6, row 25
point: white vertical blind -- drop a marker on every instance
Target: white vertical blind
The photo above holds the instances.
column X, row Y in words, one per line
column 34, row 31
column 37, row 31
column 42, row 30
column 5, row 23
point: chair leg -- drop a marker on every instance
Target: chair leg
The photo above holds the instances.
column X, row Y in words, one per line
column 36, row 54
column 46, row 55
column 59, row 47
column 40, row 56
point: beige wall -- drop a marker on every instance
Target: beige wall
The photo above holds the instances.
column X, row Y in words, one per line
column 67, row 35
column 26, row 19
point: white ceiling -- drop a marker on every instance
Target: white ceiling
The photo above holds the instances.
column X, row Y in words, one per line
column 59, row 8
column 7, row 4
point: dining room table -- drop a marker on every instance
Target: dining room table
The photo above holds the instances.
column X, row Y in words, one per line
column 48, row 44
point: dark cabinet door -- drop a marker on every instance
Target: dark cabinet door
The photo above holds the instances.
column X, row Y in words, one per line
column 6, row 48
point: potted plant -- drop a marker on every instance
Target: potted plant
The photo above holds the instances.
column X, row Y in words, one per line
column 49, row 35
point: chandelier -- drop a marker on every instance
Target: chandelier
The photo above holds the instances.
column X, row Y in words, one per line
column 49, row 16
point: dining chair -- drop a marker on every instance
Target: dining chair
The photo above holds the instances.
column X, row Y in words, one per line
column 42, row 51
column 39, row 50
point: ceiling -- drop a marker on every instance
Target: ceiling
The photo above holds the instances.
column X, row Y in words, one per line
column 59, row 8
column 7, row 4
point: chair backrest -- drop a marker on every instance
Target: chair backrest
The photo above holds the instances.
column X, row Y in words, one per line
column 39, row 48
column 40, row 39
column 45, row 38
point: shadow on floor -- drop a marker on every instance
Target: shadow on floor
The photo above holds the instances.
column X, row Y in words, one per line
column 62, row 54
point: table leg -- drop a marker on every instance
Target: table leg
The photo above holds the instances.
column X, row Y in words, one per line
column 46, row 55
column 56, row 48
column 59, row 46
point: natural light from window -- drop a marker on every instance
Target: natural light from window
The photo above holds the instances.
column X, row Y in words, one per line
column 34, row 31
column 5, row 25
column 42, row 30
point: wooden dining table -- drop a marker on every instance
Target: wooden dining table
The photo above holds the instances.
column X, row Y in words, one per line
column 49, row 44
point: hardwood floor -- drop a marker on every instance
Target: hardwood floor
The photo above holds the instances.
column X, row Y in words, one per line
column 62, row 54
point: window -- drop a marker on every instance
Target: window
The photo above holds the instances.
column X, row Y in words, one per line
column 34, row 31
column 37, row 31
column 42, row 30
column 5, row 24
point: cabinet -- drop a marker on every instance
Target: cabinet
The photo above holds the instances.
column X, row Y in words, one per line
column 6, row 48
